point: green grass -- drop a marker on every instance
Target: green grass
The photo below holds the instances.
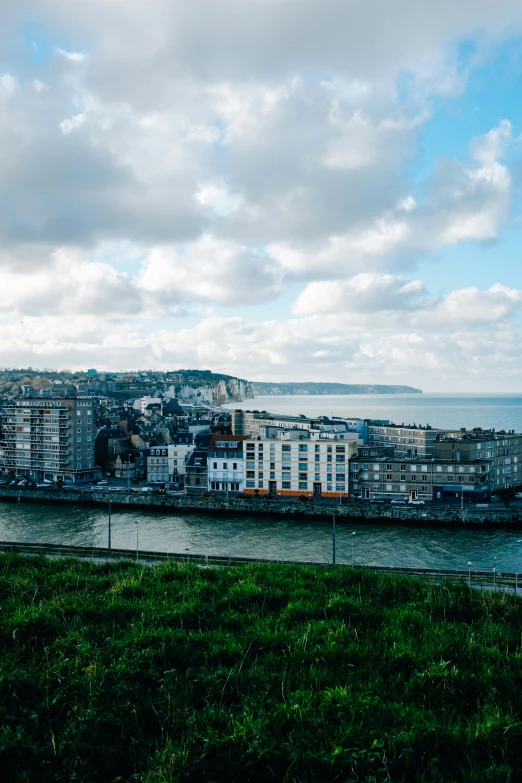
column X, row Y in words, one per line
column 258, row 673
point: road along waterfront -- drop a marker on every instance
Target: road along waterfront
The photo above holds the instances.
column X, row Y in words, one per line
column 265, row 536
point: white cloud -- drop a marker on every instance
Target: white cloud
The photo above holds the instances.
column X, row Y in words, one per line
column 364, row 293
column 212, row 155
column 8, row 85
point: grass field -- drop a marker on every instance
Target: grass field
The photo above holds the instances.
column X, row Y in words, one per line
column 259, row 673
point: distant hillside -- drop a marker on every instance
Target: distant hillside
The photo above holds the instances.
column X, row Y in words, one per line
column 278, row 389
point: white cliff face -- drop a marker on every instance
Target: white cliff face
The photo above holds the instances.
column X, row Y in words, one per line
column 233, row 390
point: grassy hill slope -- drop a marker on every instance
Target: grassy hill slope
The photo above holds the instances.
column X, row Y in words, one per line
column 122, row 672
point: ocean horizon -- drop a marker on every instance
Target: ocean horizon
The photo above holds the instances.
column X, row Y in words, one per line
column 439, row 410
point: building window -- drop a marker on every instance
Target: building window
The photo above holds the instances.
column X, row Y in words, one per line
column 250, row 484
column 214, row 465
column 260, row 475
column 303, row 485
column 286, row 485
column 303, row 447
column 272, row 474
column 224, row 466
column 234, row 466
column 260, row 484
column 251, row 474
column 340, row 487
column 286, row 447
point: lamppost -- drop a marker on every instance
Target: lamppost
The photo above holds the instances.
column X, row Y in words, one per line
column 519, row 541
column 353, row 547
column 137, row 523
column 109, row 532
column 187, row 550
column 469, row 574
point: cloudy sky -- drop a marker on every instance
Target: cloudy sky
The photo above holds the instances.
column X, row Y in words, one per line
column 279, row 189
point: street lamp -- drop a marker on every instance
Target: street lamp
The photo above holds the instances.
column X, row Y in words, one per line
column 519, row 541
column 137, row 523
column 109, row 532
column 187, row 550
column 469, row 574
column 353, row 548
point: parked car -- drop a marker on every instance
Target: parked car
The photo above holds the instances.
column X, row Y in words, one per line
column 269, row 497
column 171, row 485
column 102, row 482
column 147, row 490
column 398, row 501
column 518, row 494
column 495, row 498
column 208, row 495
column 305, row 498
column 243, row 495
column 13, row 483
column 107, row 474
column 23, row 483
column 416, row 502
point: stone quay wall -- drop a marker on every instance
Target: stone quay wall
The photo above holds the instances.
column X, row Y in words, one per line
column 354, row 510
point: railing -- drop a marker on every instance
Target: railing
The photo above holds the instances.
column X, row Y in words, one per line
column 482, row 580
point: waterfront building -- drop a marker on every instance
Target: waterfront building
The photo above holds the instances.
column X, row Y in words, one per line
column 406, row 441
column 249, row 422
column 158, row 465
column 226, row 463
column 501, row 450
column 293, row 463
column 178, row 454
column 196, row 470
column 376, row 473
column 49, row 439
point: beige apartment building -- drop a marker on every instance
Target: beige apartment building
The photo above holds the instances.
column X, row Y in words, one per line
column 293, row 463
column 406, row 441
column 374, row 474
column 49, row 439
column 501, row 450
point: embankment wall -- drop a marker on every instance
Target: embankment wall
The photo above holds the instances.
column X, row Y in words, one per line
column 384, row 513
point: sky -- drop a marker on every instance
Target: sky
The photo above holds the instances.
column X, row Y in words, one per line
column 282, row 190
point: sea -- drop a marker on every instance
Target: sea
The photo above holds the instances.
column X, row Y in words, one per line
column 294, row 538
column 445, row 411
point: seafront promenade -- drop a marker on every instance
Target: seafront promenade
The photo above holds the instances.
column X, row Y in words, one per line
column 494, row 515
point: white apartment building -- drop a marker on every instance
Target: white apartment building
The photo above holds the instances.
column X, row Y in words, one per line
column 49, row 439
column 225, row 463
column 293, row 463
column 158, row 465
column 178, row 454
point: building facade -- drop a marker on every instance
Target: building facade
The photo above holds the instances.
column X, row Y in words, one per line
column 293, row 463
column 406, row 441
column 375, row 475
column 178, row 454
column 49, row 439
column 226, row 463
column 158, row 465
column 501, row 450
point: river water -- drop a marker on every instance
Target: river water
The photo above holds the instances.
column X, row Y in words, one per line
column 264, row 537
column 268, row 537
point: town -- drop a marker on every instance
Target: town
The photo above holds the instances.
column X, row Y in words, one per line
column 154, row 431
